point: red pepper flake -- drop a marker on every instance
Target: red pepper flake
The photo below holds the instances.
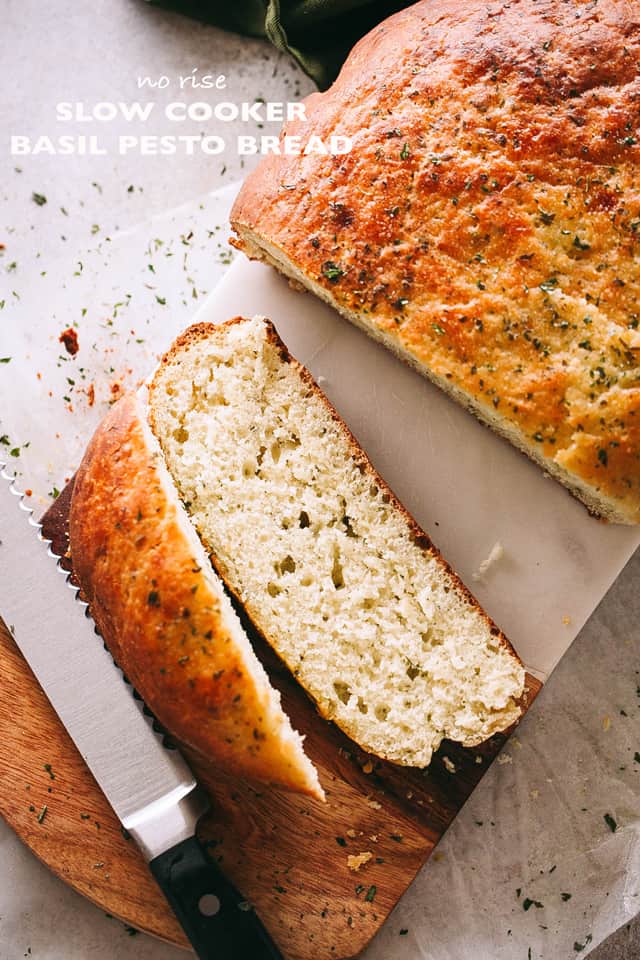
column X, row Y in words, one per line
column 28, row 493
column 91, row 394
column 69, row 338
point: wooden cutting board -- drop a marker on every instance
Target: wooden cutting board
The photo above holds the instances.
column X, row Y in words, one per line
column 288, row 855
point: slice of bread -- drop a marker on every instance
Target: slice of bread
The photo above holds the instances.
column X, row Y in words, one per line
column 164, row 613
column 329, row 566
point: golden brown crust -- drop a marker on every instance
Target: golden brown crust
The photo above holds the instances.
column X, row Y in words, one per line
column 486, row 224
column 204, row 331
column 160, row 615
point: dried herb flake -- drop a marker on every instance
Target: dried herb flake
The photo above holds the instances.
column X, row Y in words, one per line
column 332, row 271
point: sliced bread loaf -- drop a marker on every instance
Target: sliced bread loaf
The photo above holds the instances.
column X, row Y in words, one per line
column 329, row 566
column 164, row 614
column 484, row 227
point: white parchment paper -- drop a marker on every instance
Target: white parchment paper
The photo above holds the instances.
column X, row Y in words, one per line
column 531, row 867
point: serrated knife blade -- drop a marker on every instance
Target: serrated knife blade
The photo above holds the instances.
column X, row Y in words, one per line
column 151, row 788
column 56, row 636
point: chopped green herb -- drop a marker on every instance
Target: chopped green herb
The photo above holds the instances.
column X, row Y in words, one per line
column 403, row 932
column 161, row 300
column 154, row 598
column 565, row 896
column 438, row 329
column 549, row 284
column 39, row 198
column 5, row 359
column 580, row 244
column 371, row 893
column 332, row 271
column 43, row 813
column 527, row 903
column 341, row 841
column 610, row 822
column 546, row 218
column 404, row 153
column 603, row 457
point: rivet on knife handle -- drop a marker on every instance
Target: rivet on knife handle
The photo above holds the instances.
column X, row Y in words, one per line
column 217, row 920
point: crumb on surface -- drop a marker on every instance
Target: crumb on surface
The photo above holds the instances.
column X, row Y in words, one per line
column 355, row 861
column 69, row 338
column 496, row 554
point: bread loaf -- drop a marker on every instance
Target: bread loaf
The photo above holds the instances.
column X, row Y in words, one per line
column 485, row 225
column 164, row 614
column 328, row 565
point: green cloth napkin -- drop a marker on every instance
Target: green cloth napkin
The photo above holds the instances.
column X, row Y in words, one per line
column 317, row 33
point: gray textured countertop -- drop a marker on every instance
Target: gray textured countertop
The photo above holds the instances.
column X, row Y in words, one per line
column 51, row 53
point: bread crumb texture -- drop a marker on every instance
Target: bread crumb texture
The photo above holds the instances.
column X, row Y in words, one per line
column 485, row 225
column 329, row 566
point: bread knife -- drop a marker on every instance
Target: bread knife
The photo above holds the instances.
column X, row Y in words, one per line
column 150, row 787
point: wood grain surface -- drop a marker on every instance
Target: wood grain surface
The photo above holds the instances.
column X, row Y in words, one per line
column 287, row 854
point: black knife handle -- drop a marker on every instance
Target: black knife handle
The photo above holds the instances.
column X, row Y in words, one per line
column 194, row 886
